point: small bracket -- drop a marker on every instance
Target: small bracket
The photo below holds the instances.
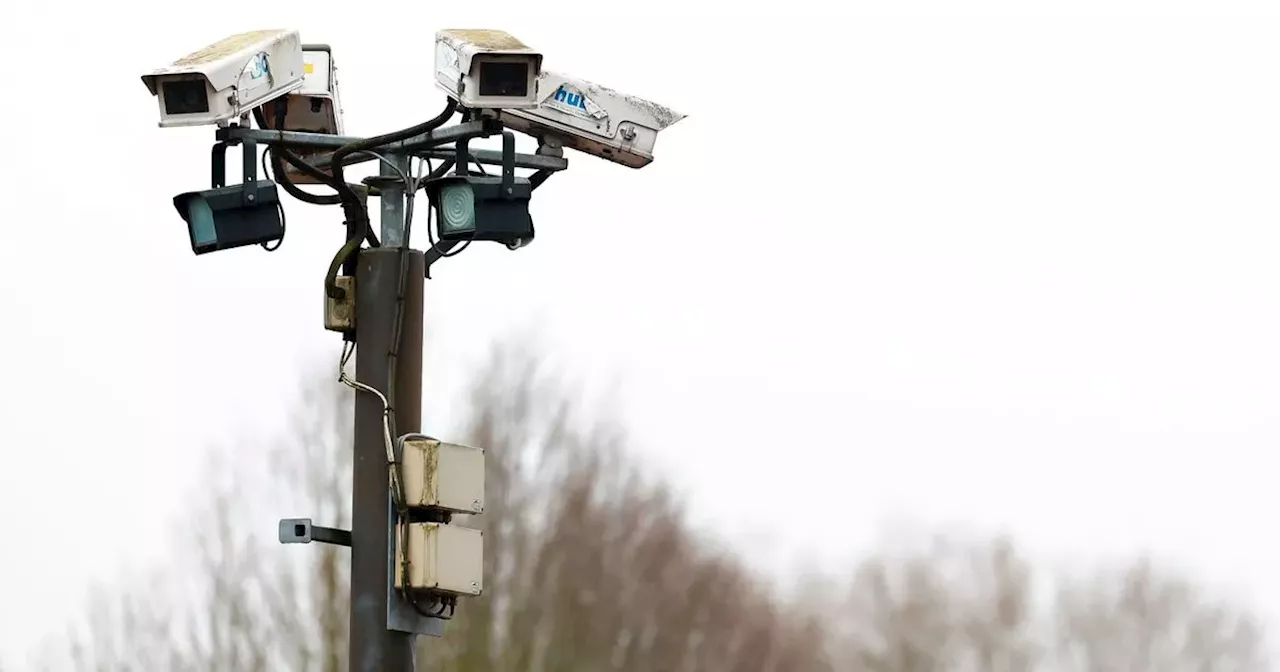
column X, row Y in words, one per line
column 249, row 177
column 249, row 151
column 508, row 163
column 462, row 156
column 301, row 531
column 219, row 164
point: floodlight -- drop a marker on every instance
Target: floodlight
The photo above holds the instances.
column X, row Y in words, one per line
column 232, row 216
column 472, row 207
column 480, row 207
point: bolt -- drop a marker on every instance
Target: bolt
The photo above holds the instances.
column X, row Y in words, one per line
column 251, row 197
column 476, row 505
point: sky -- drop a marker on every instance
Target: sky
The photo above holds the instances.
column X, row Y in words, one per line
column 1005, row 265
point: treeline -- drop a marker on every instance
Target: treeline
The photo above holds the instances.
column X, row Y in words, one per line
column 591, row 566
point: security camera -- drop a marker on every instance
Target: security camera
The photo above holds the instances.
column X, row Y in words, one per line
column 228, row 78
column 593, row 119
column 316, row 107
column 487, row 69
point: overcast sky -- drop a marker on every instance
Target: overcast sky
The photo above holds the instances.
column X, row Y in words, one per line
column 1015, row 267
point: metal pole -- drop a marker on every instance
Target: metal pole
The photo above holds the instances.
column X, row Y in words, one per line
column 393, row 199
column 373, row 647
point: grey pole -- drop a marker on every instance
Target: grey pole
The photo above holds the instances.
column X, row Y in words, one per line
column 393, row 199
column 374, row 648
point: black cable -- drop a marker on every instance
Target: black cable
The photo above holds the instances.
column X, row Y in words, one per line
column 356, row 213
column 436, row 173
column 277, row 153
column 369, row 143
column 402, row 277
column 280, row 240
column 280, row 152
column 432, row 174
column 281, row 177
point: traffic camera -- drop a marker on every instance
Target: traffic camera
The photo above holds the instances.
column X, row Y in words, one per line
column 316, row 107
column 487, row 69
column 228, row 78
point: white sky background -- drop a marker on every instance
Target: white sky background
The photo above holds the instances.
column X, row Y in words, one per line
column 1016, row 267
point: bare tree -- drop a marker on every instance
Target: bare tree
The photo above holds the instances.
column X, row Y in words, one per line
column 956, row 606
column 597, row 568
column 590, row 563
column 232, row 599
column 1140, row 620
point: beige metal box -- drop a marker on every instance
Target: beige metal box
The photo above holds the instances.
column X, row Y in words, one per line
column 443, row 475
column 442, row 558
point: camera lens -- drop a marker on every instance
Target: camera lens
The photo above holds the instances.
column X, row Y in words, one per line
column 185, row 97
column 504, row 79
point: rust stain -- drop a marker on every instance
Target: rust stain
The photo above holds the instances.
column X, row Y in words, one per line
column 431, row 460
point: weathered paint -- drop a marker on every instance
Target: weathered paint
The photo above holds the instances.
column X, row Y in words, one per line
column 225, row 47
column 485, row 39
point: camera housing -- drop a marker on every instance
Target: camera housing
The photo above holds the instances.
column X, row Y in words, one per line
column 594, row 119
column 228, row 78
column 487, row 69
column 316, row 107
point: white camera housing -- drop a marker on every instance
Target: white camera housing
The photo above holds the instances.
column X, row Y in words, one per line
column 594, row 119
column 228, row 78
column 487, row 69
column 316, row 107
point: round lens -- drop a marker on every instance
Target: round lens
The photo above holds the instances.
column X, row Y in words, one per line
column 458, row 207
